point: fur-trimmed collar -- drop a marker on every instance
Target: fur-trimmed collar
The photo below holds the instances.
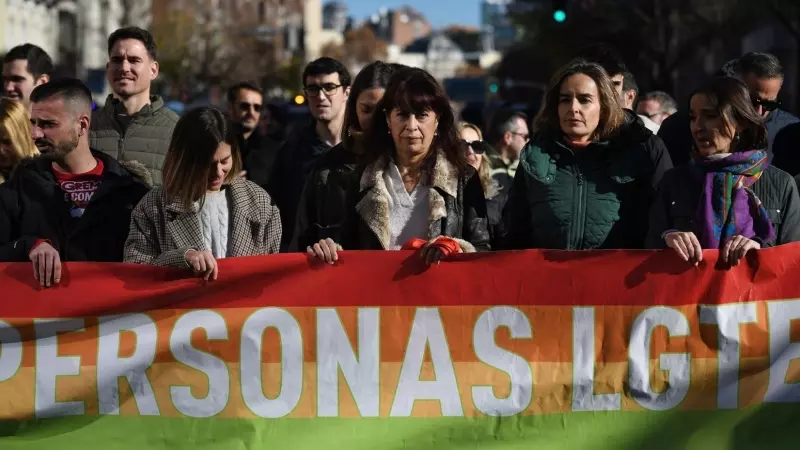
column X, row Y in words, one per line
column 374, row 205
column 444, row 175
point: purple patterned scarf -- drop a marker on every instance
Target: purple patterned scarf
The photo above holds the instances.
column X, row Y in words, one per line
column 729, row 207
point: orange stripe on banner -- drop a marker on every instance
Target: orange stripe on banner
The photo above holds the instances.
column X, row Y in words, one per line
column 552, row 335
column 552, row 392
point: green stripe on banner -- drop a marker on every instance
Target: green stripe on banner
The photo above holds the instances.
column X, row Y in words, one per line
column 773, row 426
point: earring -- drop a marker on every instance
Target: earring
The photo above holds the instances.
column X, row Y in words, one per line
column 389, row 131
column 736, row 137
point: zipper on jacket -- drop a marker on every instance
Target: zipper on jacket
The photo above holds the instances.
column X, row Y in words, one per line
column 583, row 188
column 579, row 219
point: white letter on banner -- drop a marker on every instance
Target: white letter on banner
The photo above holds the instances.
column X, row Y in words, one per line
column 49, row 366
column 362, row 374
column 10, row 351
column 782, row 351
column 676, row 363
column 291, row 363
column 427, row 330
column 728, row 318
column 110, row 366
column 180, row 344
column 583, row 350
column 517, row 368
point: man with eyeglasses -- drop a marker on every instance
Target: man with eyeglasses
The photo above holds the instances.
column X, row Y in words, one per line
column 245, row 106
column 508, row 134
column 326, row 83
column 656, row 106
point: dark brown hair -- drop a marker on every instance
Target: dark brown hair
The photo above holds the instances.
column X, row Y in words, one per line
column 732, row 100
column 187, row 166
column 415, row 91
column 375, row 75
column 612, row 116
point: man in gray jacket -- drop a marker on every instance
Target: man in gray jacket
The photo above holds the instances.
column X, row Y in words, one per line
column 133, row 125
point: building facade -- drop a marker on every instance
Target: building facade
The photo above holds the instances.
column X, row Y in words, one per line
column 399, row 27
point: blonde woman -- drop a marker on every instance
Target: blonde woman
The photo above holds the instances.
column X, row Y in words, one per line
column 15, row 136
column 475, row 150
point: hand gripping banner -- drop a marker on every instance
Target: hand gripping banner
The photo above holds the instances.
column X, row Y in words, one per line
column 517, row 350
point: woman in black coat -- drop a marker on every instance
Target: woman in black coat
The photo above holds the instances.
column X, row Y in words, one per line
column 727, row 198
column 415, row 189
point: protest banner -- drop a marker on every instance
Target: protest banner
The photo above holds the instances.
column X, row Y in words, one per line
column 513, row 350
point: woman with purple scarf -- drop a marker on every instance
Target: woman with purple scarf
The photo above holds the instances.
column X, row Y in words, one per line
column 727, row 198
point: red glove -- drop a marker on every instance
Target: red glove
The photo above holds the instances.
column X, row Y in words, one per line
column 448, row 246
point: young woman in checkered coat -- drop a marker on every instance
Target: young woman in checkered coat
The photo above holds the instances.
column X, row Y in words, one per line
column 204, row 211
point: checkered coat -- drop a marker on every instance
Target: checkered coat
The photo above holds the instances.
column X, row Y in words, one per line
column 161, row 233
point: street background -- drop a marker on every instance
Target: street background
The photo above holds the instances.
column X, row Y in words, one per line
column 485, row 52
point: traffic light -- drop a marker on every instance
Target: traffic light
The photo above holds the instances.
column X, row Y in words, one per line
column 492, row 86
column 560, row 10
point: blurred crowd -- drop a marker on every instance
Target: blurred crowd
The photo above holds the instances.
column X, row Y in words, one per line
column 382, row 162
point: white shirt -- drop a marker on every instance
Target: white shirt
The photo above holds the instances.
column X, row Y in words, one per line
column 408, row 212
column 649, row 124
column 214, row 220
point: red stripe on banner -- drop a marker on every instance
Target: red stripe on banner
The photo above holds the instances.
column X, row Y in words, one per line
column 554, row 278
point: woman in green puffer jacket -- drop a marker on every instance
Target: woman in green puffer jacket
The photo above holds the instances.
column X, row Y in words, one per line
column 589, row 174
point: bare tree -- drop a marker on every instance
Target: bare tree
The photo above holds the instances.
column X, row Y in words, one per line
column 360, row 47
column 205, row 44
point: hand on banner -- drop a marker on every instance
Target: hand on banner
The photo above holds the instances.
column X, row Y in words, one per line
column 435, row 250
column 324, row 250
column 686, row 244
column 203, row 263
column 736, row 248
column 46, row 264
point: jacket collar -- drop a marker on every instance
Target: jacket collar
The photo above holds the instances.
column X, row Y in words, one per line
column 444, row 176
column 156, row 104
column 374, row 205
column 184, row 226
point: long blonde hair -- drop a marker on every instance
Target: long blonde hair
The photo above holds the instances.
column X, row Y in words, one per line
column 16, row 126
column 490, row 187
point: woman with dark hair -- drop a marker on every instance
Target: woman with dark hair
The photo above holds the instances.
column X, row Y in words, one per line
column 203, row 212
column 589, row 174
column 415, row 189
column 321, row 211
column 727, row 198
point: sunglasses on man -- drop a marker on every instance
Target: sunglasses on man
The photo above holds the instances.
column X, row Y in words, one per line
column 328, row 88
column 767, row 105
column 479, row 147
column 244, row 106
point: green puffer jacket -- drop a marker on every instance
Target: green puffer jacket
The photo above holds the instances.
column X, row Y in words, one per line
column 146, row 139
column 594, row 198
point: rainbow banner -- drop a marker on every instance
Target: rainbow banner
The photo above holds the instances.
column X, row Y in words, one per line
column 517, row 350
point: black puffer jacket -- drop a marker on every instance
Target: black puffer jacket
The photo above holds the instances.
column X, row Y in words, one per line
column 675, row 207
column 32, row 207
column 321, row 211
column 457, row 208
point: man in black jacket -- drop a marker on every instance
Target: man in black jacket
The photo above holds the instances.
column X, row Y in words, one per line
column 245, row 106
column 72, row 203
column 763, row 75
column 326, row 83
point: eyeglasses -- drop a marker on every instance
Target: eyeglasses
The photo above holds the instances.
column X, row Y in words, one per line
column 524, row 137
column 328, row 88
column 479, row 147
column 244, row 106
column 768, row 105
